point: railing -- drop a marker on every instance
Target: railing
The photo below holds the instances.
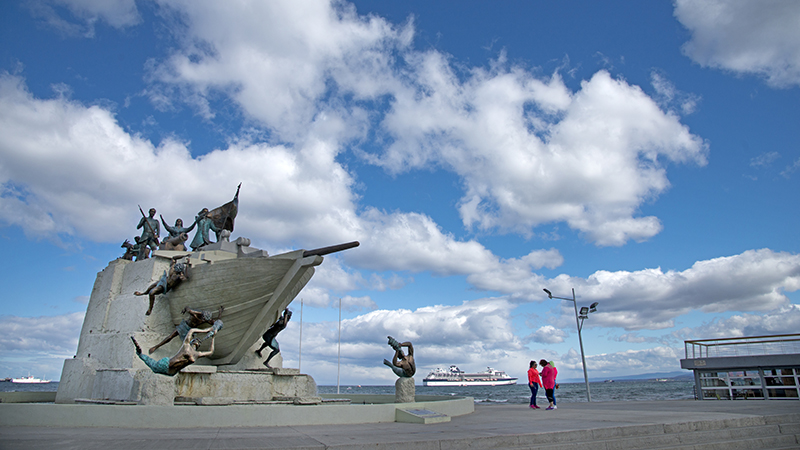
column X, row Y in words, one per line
column 743, row 346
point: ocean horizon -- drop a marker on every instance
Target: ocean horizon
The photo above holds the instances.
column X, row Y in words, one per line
column 623, row 390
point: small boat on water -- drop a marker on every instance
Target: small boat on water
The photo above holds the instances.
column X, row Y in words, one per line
column 457, row 377
column 29, row 380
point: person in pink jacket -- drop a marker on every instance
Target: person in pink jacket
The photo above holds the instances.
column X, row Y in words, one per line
column 549, row 373
column 534, row 382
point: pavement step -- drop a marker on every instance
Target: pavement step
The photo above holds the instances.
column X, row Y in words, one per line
column 757, row 433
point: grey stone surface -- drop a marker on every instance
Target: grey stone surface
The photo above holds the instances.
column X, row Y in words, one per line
column 404, row 390
column 106, row 367
column 153, row 389
column 606, row 425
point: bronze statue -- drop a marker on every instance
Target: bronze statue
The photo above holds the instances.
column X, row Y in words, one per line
column 178, row 234
column 176, row 274
column 130, row 253
column 139, row 250
column 195, row 319
column 150, row 230
column 271, row 333
column 204, row 224
column 402, row 365
column 187, row 355
column 224, row 216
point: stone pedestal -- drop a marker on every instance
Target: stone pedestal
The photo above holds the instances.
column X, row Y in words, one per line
column 404, row 390
column 106, row 366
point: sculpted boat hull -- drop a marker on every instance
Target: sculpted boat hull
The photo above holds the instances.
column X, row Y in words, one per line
column 254, row 290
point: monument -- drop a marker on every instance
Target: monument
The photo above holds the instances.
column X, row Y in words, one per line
column 404, row 367
column 245, row 286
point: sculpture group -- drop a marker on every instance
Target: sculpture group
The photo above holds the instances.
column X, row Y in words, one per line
column 220, row 221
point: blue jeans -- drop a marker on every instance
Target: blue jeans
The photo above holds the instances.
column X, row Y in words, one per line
column 551, row 395
column 534, row 390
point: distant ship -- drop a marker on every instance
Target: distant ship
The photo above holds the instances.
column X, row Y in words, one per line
column 29, row 380
column 456, row 377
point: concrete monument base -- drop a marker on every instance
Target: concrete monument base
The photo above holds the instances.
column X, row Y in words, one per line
column 404, row 390
column 106, row 367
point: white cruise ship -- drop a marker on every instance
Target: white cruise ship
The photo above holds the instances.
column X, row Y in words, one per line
column 456, row 377
column 29, row 380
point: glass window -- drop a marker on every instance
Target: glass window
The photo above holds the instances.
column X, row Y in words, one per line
column 718, row 394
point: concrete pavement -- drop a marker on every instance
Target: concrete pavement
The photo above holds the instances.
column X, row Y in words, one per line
column 490, row 426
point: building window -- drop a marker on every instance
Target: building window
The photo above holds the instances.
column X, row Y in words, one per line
column 735, row 385
column 782, row 383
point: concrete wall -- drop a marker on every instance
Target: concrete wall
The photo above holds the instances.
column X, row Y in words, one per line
column 137, row 416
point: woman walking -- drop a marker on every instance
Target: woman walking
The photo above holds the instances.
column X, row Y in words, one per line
column 549, row 373
column 534, row 382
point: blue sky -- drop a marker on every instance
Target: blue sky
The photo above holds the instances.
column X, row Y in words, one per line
column 643, row 153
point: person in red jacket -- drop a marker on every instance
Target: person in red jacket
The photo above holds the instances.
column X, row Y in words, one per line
column 534, row 382
column 549, row 373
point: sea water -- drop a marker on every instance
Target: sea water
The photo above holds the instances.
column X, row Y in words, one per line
column 7, row 386
column 640, row 390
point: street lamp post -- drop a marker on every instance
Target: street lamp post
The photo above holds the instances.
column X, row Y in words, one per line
column 579, row 323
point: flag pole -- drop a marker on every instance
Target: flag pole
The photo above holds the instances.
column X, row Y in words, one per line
column 300, row 344
column 339, row 357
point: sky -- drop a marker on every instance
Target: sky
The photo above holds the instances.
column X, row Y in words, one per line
column 644, row 154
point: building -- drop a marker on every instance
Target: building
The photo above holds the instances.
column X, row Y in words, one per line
column 745, row 368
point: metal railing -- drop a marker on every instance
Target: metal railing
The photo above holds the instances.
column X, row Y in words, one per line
column 743, row 346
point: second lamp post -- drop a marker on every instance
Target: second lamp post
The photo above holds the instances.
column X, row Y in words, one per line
column 584, row 315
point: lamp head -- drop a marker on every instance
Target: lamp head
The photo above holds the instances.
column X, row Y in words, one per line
column 593, row 307
column 548, row 293
column 584, row 311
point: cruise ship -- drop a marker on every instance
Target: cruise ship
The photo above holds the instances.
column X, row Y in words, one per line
column 456, row 377
column 29, row 380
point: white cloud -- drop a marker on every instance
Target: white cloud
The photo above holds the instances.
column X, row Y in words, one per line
column 90, row 184
column 350, row 303
column 657, row 359
column 474, row 334
column 516, row 276
column 549, row 334
column 754, row 280
column 784, row 320
column 764, row 159
column 274, row 59
column 758, row 37
column 67, row 169
column 670, row 98
column 117, row 13
column 790, row 169
column 529, row 151
column 38, row 345
column 414, row 242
